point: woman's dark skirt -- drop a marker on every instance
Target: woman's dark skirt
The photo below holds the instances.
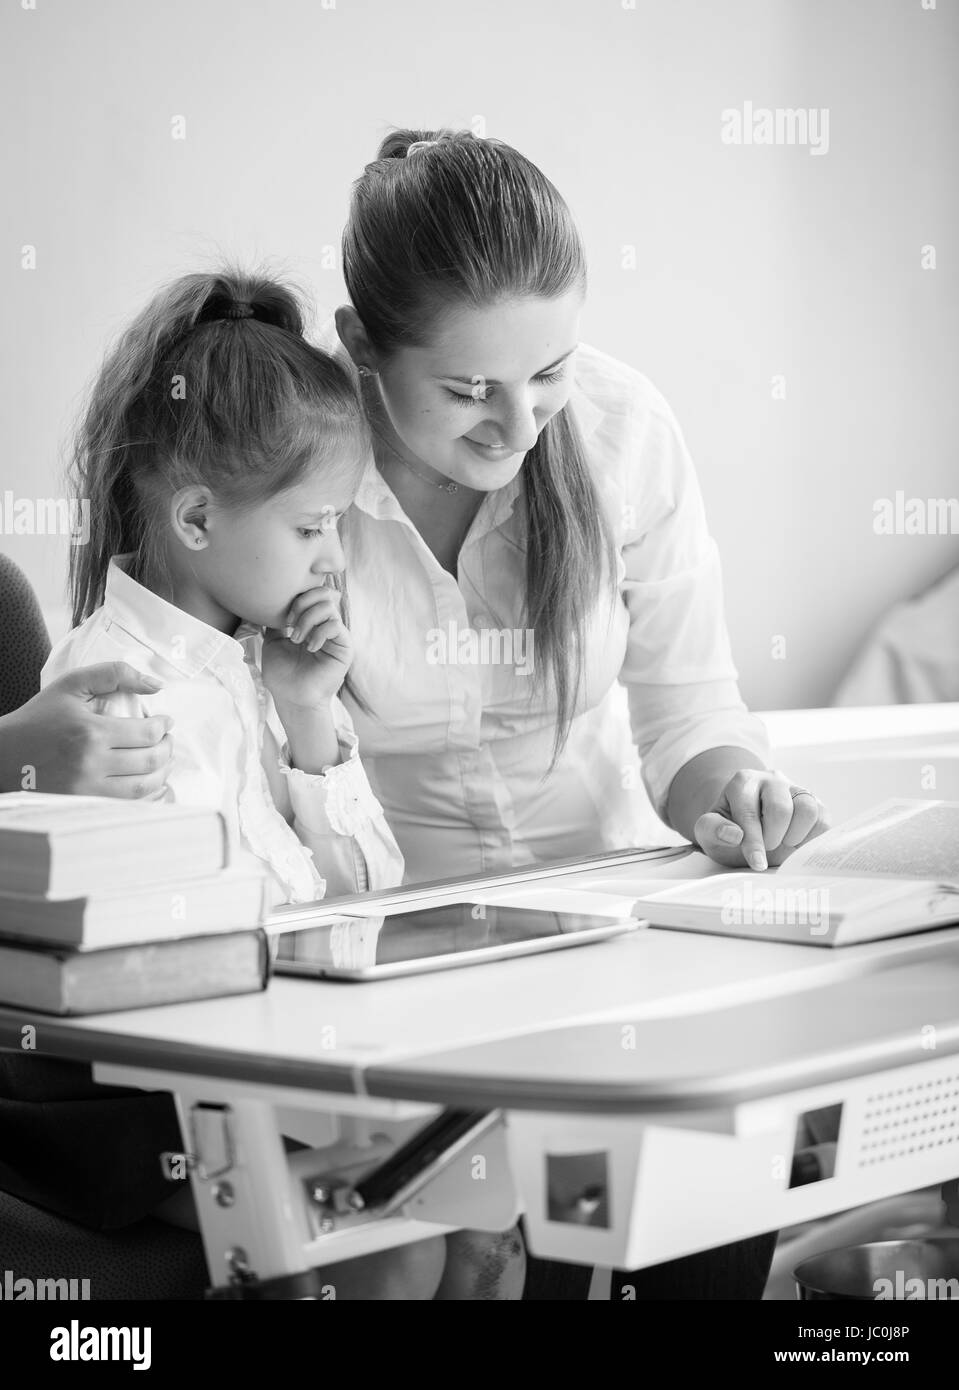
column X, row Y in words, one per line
column 88, row 1152
column 737, row 1272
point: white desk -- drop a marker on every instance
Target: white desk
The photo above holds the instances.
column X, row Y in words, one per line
column 854, row 758
column 671, row 1068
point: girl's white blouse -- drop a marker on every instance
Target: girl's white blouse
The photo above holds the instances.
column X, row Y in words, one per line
column 457, row 746
column 314, row 833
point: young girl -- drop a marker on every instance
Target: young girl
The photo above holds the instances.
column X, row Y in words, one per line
column 218, row 452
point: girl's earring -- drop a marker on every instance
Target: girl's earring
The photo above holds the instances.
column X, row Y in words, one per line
column 366, row 371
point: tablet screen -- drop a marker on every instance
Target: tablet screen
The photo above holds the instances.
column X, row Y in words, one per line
column 347, row 945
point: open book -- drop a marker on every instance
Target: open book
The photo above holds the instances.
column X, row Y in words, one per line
column 890, row 871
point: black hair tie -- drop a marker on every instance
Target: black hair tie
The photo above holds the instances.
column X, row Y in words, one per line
column 241, row 310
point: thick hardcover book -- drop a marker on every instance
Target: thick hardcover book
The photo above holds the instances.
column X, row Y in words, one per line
column 231, row 900
column 54, row 846
column 57, row 980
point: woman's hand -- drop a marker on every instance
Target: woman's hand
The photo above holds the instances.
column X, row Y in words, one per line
column 57, row 742
column 306, row 664
column 758, row 820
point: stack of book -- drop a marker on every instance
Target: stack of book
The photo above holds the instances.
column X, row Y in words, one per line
column 108, row 905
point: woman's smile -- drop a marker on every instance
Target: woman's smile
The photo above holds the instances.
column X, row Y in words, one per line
column 490, row 451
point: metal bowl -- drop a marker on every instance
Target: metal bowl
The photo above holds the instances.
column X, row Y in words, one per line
column 852, row 1272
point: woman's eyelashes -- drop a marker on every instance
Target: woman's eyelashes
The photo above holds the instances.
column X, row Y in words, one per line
column 310, row 533
column 480, row 395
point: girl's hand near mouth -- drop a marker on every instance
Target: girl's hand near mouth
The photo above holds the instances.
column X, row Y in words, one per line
column 306, row 664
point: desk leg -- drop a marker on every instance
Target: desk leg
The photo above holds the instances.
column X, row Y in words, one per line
column 252, row 1228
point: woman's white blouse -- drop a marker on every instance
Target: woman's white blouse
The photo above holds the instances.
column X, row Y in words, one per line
column 457, row 746
column 316, row 834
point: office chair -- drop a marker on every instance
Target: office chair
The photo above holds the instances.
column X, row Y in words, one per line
column 147, row 1260
column 24, row 643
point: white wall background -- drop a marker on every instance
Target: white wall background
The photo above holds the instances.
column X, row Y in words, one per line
column 751, row 262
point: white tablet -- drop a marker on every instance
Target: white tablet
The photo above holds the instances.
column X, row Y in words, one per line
column 435, row 938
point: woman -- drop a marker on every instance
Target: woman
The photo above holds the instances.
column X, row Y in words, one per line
column 529, row 532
